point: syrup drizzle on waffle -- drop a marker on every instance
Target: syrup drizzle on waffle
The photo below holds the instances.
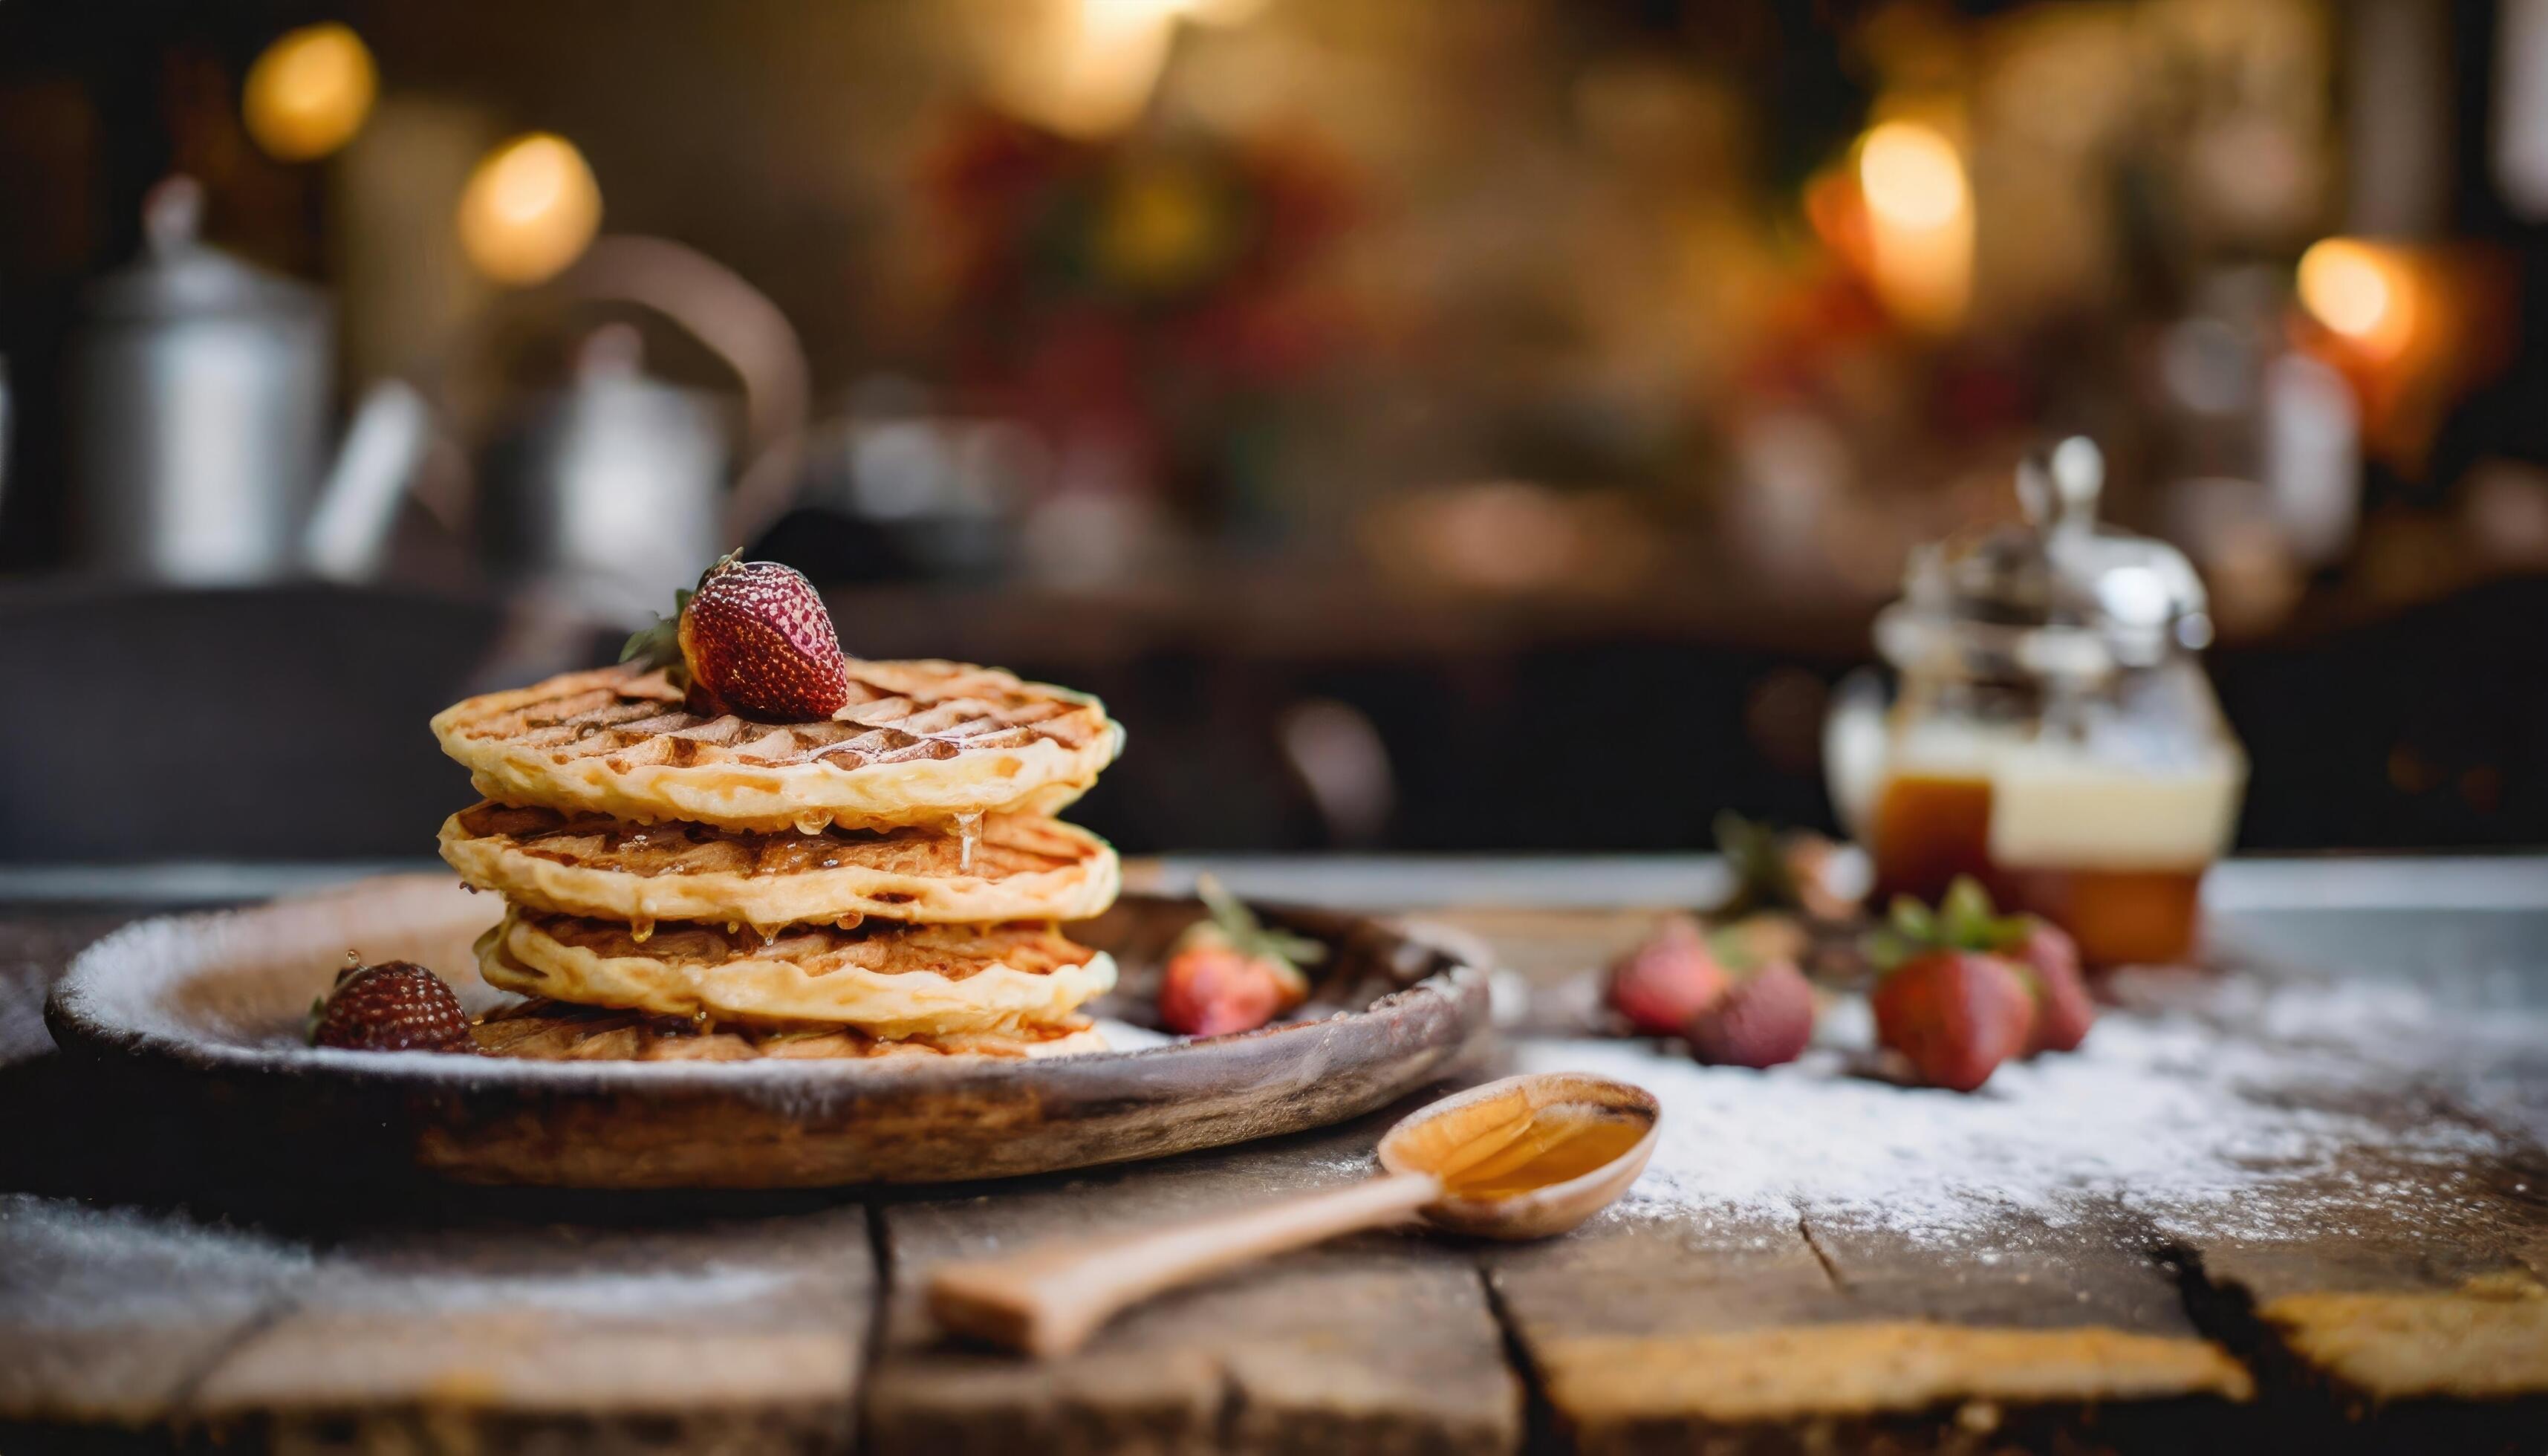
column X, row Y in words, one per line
column 556, row 1031
column 954, row 951
column 1007, row 846
column 631, row 718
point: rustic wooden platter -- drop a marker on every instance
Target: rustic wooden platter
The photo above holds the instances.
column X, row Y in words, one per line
column 207, row 1009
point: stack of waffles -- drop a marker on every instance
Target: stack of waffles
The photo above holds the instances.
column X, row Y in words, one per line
column 885, row 882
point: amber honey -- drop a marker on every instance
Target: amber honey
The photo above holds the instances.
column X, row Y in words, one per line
column 1559, row 1143
column 2119, row 917
column 1927, row 830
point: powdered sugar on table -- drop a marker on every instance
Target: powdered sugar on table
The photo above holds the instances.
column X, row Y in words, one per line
column 2195, row 1122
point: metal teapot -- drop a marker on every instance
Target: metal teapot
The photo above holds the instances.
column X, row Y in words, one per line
column 199, row 435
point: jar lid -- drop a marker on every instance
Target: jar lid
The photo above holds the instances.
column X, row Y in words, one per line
column 2056, row 594
column 180, row 275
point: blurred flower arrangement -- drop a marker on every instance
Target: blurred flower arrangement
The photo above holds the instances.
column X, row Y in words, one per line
column 1150, row 303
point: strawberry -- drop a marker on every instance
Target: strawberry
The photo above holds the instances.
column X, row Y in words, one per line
column 395, row 1006
column 1766, row 1020
column 2064, row 1009
column 1949, row 1001
column 753, row 639
column 1956, row 1014
column 1229, row 973
column 1663, row 984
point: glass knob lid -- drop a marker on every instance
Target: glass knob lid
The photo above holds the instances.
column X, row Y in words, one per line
column 2055, row 593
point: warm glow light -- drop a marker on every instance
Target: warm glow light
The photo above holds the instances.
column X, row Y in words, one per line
column 530, row 208
column 1912, row 176
column 309, row 92
column 1920, row 221
column 2360, row 291
column 1086, row 67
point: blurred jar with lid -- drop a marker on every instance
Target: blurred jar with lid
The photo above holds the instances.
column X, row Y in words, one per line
column 2053, row 734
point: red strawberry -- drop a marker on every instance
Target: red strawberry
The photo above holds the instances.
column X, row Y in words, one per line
column 1229, row 973
column 2064, row 1009
column 1664, row 983
column 1949, row 999
column 1956, row 1014
column 395, row 1006
column 753, row 639
column 1766, row 1020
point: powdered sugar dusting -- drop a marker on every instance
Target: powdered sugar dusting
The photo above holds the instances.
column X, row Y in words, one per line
column 2168, row 1116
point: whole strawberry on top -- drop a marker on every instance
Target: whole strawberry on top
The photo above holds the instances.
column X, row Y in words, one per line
column 1229, row 972
column 1962, row 989
column 753, row 639
column 395, row 1006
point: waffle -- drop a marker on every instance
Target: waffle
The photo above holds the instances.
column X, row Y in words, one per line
column 1021, row 867
column 920, row 743
column 889, row 980
column 553, row 1031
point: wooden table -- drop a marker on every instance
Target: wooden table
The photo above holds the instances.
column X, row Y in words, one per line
column 2387, row 1289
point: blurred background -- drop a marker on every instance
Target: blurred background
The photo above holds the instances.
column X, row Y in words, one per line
column 1475, row 425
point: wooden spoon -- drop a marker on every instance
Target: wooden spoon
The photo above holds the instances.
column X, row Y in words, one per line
column 1527, row 1158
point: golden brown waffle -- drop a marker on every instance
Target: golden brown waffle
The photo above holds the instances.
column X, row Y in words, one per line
column 891, row 980
column 1020, row 868
column 552, row 1031
column 920, row 743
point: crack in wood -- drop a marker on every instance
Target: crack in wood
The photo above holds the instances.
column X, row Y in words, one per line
column 879, row 1305
column 1822, row 1255
column 182, row 1397
column 1543, row 1434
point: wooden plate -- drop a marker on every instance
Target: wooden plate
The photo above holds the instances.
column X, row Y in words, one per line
column 208, row 1009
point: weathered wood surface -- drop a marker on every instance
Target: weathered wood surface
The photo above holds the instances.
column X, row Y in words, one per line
column 1686, row 1331
column 439, row 1322
column 1382, row 1342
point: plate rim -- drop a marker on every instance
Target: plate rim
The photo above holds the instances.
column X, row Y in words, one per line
column 80, row 1014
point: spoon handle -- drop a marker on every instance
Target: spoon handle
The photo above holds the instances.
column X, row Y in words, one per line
column 1049, row 1299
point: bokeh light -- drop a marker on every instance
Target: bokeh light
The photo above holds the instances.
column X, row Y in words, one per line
column 308, row 93
column 2361, row 291
column 1920, row 221
column 1912, row 176
column 530, row 209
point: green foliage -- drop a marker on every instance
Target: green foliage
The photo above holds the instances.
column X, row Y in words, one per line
column 1964, row 920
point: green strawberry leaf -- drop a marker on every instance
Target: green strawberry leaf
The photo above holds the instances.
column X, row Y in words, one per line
column 1250, row 936
column 1763, row 879
column 1727, row 945
column 1964, row 920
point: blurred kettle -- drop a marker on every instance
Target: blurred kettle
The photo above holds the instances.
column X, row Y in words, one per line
column 610, row 490
column 200, row 391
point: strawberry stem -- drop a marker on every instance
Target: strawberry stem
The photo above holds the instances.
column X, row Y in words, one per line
column 1251, row 936
column 1762, row 879
column 1964, row 920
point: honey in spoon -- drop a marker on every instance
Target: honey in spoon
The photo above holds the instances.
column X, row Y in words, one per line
column 1557, row 1143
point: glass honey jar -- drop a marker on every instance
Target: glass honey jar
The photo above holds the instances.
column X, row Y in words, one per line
column 2052, row 734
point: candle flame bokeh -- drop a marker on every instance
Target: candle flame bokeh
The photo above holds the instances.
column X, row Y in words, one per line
column 530, row 209
column 309, row 92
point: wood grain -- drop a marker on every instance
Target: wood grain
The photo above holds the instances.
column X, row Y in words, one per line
column 1376, row 1344
column 111, row 1316
column 729, row 1333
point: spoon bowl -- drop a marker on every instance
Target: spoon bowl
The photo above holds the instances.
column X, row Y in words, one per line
column 1525, row 1157
column 1453, row 1135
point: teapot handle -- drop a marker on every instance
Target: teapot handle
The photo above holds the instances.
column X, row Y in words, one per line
column 741, row 325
